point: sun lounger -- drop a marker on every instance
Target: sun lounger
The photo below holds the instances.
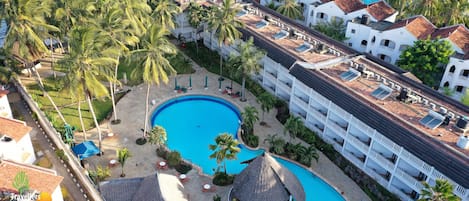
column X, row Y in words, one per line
column 241, row 13
column 304, row 47
column 280, row 35
column 261, row 24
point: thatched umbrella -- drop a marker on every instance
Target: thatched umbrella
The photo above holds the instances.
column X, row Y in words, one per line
column 132, row 189
column 265, row 179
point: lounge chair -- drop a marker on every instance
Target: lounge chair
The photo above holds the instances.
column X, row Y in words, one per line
column 241, row 13
column 280, row 35
column 261, row 24
column 304, row 47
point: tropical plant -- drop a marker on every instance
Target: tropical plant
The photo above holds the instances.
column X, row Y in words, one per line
column 276, row 144
column 456, row 11
column 224, row 24
column 429, row 8
column 197, row 15
column 87, row 66
column 247, row 62
column 306, row 155
column 291, row 9
column 442, row 191
column 21, row 182
column 153, row 66
column 225, row 147
column 99, row 174
column 250, row 116
column 267, row 102
column 122, row 156
column 401, row 5
column 465, row 98
column 293, row 126
column 164, row 13
column 334, row 29
column 425, row 59
column 174, row 158
column 138, row 12
column 157, row 136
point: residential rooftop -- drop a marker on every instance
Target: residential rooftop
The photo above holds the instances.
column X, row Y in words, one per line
column 13, row 128
column 40, row 179
column 396, row 120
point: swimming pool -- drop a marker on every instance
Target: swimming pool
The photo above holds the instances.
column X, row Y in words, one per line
column 192, row 123
column 368, row 2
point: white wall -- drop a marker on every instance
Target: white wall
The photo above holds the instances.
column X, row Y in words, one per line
column 57, row 194
column 455, row 79
column 5, row 110
column 21, row 151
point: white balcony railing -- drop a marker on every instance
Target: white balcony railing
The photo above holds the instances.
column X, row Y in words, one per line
column 337, row 129
column 385, row 163
column 352, row 158
column 400, row 193
column 357, row 143
column 409, row 180
column 317, row 115
column 376, row 176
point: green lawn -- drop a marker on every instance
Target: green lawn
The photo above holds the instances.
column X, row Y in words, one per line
column 67, row 106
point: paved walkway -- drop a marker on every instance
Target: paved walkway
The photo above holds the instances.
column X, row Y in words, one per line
column 143, row 161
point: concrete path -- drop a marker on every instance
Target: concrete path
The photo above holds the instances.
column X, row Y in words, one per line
column 130, row 110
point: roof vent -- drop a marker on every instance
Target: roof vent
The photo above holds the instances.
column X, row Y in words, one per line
column 462, row 124
column 365, row 19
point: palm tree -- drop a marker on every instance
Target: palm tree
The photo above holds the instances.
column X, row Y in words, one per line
column 226, row 147
column 276, row 144
column 291, row 9
column 113, row 23
column 225, row 25
column 164, row 13
column 250, row 116
column 306, row 155
column 87, row 64
column 401, row 5
column 267, row 102
column 26, row 29
column 137, row 12
column 71, row 87
column 247, row 62
column 457, row 12
column 154, row 66
column 196, row 15
column 122, row 156
column 431, row 9
column 293, row 126
column 157, row 136
column 99, row 174
column 442, row 191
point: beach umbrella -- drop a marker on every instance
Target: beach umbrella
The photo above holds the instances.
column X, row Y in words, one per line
column 206, row 81
column 175, row 83
column 190, row 81
column 219, row 85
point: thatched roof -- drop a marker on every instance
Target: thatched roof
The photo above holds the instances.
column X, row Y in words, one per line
column 133, row 189
column 265, row 179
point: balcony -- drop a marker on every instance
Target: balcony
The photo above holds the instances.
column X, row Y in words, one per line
column 301, row 103
column 378, row 158
column 381, row 179
column 283, row 86
column 271, row 75
column 337, row 129
column 404, row 196
column 354, row 159
column 317, row 115
column 407, row 179
column 357, row 143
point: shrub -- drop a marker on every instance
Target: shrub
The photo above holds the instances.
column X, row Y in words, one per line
column 183, row 167
column 163, row 153
column 174, row 158
column 141, row 141
column 250, row 140
column 222, row 179
column 216, row 198
column 61, row 154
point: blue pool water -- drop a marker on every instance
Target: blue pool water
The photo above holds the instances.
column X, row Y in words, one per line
column 368, row 2
column 193, row 122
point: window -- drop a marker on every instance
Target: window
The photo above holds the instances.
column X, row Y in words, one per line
column 382, row 56
column 459, row 88
column 386, row 43
column 446, row 84
column 312, row 13
column 465, row 73
column 452, row 69
column 373, row 39
column 353, row 31
column 350, row 44
column 322, row 16
column 364, row 43
column 403, row 47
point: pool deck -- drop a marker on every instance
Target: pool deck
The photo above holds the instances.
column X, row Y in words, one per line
column 143, row 161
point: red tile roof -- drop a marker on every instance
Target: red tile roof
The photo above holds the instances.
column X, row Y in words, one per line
column 380, row 10
column 418, row 26
column 458, row 34
column 40, row 179
column 350, row 5
column 3, row 93
column 13, row 128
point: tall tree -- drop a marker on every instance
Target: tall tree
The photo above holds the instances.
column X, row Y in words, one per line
column 426, row 59
column 293, row 126
column 291, row 9
column 122, row 156
column 138, row 12
column 225, row 147
column 225, row 26
column 465, row 98
column 154, row 66
column 267, row 102
column 157, row 136
column 431, row 9
column 250, row 116
column 197, row 16
column 247, row 62
column 88, row 64
column 442, row 191
column 164, row 13
column 400, row 5
column 456, row 11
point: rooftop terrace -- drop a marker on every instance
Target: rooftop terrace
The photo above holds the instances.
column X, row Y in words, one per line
column 433, row 143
